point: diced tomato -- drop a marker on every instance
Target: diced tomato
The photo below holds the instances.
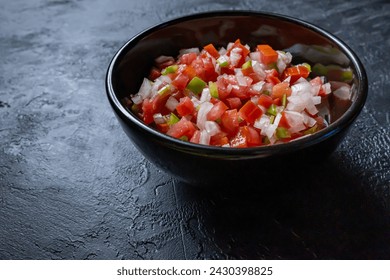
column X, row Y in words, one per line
column 216, row 111
column 246, row 137
column 209, row 70
column 219, row 139
column 250, row 112
column 196, row 137
column 318, row 82
column 212, row 50
column 181, row 81
column 154, row 73
column 296, row 72
column 265, row 100
column 147, row 111
column 234, row 102
column 229, row 120
column 198, row 66
column 182, row 128
column 281, row 89
column 162, row 127
column 240, row 91
column 283, row 121
column 253, row 136
column 185, row 106
column 187, row 58
column 277, row 101
column 228, row 70
column 189, row 71
column 249, row 72
column 153, row 106
column 165, row 63
column 272, row 76
column 239, row 140
column 268, row 54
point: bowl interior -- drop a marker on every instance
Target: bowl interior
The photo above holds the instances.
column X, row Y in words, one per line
column 306, row 42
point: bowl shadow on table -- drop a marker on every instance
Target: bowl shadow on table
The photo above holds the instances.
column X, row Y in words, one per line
column 324, row 213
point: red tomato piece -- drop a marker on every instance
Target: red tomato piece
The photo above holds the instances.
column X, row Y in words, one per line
column 180, row 81
column 228, row 70
column 187, row 58
column 147, row 111
column 182, row 128
column 265, row 100
column 283, row 121
column 185, row 106
column 296, row 72
column 250, row 112
column 234, row 102
column 154, row 73
column 281, row 89
column 212, row 50
column 253, row 136
column 196, row 137
column 318, row 82
column 216, row 111
column 272, row 76
column 239, row 140
column 268, row 54
column 219, row 139
column 229, row 121
column 246, row 137
column 209, row 70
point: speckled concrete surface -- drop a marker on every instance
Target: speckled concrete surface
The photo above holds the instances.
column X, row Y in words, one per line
column 72, row 186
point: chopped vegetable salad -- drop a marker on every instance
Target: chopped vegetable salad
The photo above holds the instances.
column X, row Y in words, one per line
column 234, row 96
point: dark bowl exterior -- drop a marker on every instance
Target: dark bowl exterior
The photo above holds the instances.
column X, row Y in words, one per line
column 204, row 165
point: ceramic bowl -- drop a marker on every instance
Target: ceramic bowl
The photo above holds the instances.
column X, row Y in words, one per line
column 204, row 165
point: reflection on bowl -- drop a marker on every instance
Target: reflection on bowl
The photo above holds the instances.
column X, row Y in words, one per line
column 199, row 164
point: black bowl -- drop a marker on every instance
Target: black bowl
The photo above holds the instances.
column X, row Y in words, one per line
column 203, row 165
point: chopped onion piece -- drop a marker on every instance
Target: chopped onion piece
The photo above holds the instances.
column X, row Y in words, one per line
column 158, row 118
column 204, row 138
column 171, row 103
column 343, row 93
column 190, row 50
column 205, row 107
column 212, row 128
column 205, row 95
column 163, row 58
column 145, row 90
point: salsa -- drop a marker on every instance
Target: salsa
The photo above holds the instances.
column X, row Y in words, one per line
column 233, row 96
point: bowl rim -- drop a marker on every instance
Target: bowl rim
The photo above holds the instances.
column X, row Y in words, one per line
column 300, row 143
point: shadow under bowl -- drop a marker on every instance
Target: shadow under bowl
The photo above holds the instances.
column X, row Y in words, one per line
column 208, row 165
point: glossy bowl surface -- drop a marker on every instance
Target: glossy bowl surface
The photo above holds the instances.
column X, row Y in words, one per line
column 200, row 164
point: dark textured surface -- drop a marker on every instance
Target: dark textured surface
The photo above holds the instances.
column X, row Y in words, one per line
column 72, row 186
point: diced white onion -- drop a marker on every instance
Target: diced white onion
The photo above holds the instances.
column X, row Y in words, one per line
column 171, row 103
column 145, row 90
column 163, row 58
column 137, row 99
column 212, row 128
column 204, row 137
column 158, row 118
column 295, row 120
column 205, row 107
column 326, row 87
column 235, row 56
column 307, row 120
column 205, row 95
column 255, row 56
column 190, row 50
column 258, row 86
column 343, row 93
